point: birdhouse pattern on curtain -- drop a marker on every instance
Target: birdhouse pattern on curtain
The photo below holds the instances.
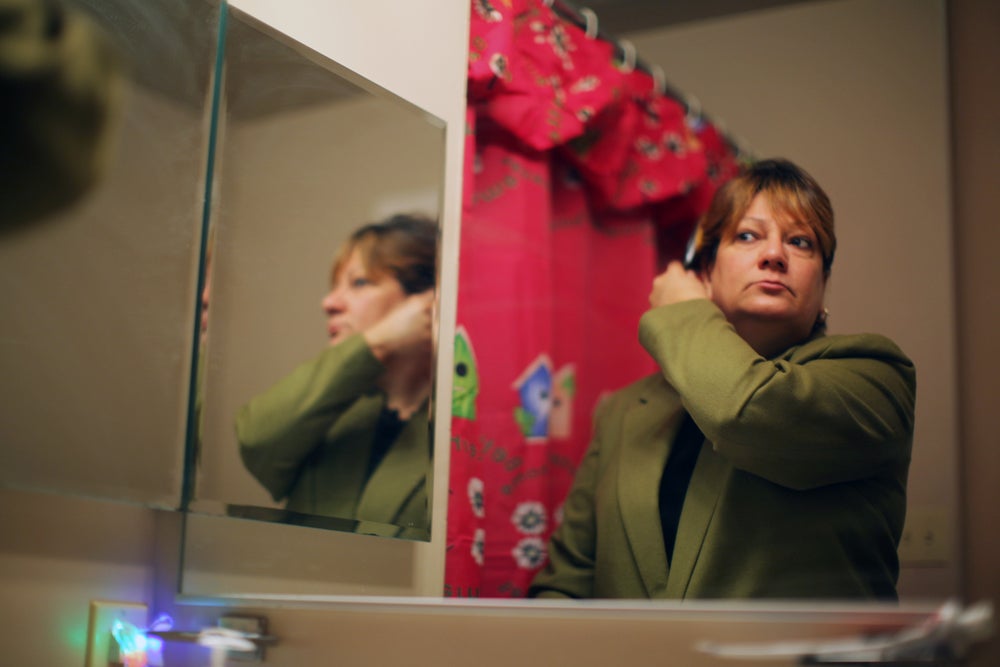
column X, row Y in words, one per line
column 581, row 179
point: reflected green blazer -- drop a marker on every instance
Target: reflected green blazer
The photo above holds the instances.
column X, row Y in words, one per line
column 309, row 438
column 799, row 489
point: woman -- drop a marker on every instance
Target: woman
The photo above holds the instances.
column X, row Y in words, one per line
column 765, row 460
column 346, row 434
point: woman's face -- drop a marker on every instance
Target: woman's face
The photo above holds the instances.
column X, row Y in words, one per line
column 358, row 299
column 768, row 277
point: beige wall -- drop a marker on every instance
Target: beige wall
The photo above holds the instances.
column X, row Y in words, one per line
column 58, row 553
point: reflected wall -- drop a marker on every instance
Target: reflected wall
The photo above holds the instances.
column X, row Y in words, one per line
column 97, row 302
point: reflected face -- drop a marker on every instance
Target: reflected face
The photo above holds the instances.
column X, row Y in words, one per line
column 358, row 299
column 769, row 269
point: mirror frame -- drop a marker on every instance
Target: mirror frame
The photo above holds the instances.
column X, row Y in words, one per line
column 290, row 119
column 435, row 84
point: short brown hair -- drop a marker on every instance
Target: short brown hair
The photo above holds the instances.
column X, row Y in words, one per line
column 789, row 189
column 404, row 246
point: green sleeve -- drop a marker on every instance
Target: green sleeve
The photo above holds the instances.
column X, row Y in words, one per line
column 60, row 82
column 834, row 409
column 280, row 428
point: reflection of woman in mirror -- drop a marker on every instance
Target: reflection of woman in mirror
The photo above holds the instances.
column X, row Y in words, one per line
column 765, row 459
column 346, row 434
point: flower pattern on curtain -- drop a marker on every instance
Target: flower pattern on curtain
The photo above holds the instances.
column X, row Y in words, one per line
column 580, row 180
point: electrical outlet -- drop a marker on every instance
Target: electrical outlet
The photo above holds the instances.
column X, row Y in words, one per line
column 103, row 615
column 926, row 538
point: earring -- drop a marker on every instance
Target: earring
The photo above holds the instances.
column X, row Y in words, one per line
column 822, row 317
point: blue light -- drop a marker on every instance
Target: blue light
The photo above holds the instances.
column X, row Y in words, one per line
column 154, row 649
column 135, row 647
column 131, row 643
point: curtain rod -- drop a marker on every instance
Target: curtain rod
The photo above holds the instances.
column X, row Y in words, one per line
column 582, row 17
column 579, row 17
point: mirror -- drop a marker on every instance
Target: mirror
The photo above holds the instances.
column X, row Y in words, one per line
column 97, row 301
column 307, row 153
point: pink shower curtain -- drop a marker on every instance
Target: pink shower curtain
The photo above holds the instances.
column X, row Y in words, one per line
column 581, row 179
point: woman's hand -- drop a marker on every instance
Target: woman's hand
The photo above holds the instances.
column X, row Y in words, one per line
column 677, row 284
column 405, row 330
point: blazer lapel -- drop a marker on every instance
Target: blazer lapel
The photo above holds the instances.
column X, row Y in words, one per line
column 402, row 471
column 699, row 507
column 351, row 439
column 647, row 433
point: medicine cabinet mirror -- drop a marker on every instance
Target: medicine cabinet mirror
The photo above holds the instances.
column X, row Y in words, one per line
column 306, row 152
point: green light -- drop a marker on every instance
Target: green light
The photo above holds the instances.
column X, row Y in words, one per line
column 76, row 637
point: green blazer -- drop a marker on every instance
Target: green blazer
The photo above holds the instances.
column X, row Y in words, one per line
column 799, row 489
column 309, row 438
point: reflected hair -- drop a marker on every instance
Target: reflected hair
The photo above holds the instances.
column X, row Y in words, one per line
column 790, row 191
column 403, row 246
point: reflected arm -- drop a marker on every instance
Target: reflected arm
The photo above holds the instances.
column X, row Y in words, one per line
column 833, row 409
column 279, row 429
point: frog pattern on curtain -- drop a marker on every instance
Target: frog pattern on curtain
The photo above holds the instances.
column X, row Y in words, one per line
column 578, row 175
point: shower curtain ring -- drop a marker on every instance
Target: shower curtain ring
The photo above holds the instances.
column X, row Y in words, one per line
column 659, row 79
column 693, row 108
column 591, row 17
column 628, row 54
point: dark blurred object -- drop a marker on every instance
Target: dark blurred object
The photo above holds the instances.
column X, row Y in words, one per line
column 59, row 86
